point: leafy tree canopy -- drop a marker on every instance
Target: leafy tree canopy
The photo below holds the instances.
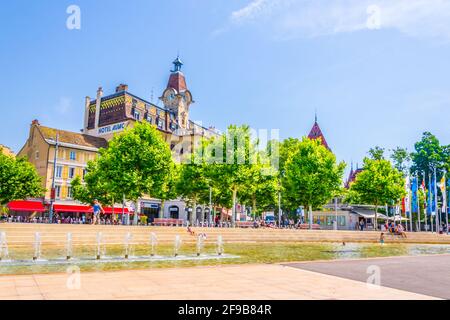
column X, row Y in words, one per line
column 379, row 184
column 18, row 180
column 312, row 176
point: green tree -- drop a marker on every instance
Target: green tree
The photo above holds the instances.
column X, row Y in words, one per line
column 137, row 162
column 232, row 160
column 18, row 180
column 193, row 183
column 376, row 153
column 95, row 186
column 428, row 154
column 263, row 193
column 313, row 177
column 401, row 158
column 379, row 184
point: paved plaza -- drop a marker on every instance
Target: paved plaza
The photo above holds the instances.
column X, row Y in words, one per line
column 428, row 275
column 237, row 282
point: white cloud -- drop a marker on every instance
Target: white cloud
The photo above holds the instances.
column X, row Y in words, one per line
column 313, row 18
column 253, row 10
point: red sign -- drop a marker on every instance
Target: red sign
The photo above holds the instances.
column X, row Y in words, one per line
column 52, row 194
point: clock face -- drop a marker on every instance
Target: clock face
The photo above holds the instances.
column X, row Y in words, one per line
column 169, row 98
column 186, row 97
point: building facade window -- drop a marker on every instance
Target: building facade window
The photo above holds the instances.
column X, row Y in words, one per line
column 149, row 118
column 73, row 155
column 71, row 173
column 57, row 192
column 59, row 170
column 69, row 192
column 84, row 173
column 136, row 115
column 37, row 155
column 160, row 124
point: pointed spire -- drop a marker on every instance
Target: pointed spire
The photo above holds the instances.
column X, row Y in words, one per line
column 177, row 64
column 315, row 116
column 177, row 80
column 316, row 133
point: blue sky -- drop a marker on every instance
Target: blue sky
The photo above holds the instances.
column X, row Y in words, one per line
column 376, row 75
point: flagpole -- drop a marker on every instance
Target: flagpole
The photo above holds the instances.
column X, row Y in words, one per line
column 410, row 205
column 430, row 201
column 418, row 201
column 425, row 208
column 436, row 201
column 446, row 203
column 444, row 199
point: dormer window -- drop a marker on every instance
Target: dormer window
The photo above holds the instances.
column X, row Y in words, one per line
column 136, row 115
column 160, row 123
column 173, row 126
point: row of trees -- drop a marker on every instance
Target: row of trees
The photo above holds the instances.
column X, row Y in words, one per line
column 233, row 168
column 226, row 170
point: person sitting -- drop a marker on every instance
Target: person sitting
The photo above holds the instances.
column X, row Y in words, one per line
column 190, row 231
column 399, row 231
column 391, row 228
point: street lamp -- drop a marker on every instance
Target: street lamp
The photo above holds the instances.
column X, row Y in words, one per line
column 52, row 192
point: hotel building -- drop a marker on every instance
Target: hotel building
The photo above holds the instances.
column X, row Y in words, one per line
column 105, row 116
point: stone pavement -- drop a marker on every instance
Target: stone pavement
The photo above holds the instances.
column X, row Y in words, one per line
column 427, row 275
column 224, row 282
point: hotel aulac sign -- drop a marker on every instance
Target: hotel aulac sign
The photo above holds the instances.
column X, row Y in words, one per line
column 112, row 128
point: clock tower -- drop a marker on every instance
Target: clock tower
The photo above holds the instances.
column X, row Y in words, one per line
column 177, row 98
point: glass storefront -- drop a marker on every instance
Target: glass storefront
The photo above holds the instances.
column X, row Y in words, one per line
column 150, row 210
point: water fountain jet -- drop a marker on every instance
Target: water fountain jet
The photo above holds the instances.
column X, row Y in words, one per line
column 4, row 253
column 153, row 244
column 200, row 243
column 37, row 246
column 219, row 245
column 69, row 245
column 128, row 238
column 177, row 245
column 99, row 245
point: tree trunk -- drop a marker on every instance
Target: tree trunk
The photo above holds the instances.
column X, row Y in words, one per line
column 310, row 217
column 375, row 223
column 136, row 213
column 254, row 207
column 193, row 214
column 161, row 212
column 233, row 210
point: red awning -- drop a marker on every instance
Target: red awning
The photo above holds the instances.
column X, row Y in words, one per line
column 29, row 206
column 71, row 208
column 117, row 210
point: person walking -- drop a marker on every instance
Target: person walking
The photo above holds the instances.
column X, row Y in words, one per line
column 361, row 224
column 98, row 209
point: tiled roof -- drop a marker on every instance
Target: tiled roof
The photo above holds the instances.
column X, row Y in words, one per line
column 352, row 177
column 177, row 82
column 73, row 137
column 316, row 133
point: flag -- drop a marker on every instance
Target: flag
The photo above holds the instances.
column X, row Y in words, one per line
column 415, row 191
column 444, row 194
column 430, row 197
column 407, row 199
column 433, row 196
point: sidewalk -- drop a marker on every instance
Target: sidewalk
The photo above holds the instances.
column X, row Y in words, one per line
column 202, row 283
